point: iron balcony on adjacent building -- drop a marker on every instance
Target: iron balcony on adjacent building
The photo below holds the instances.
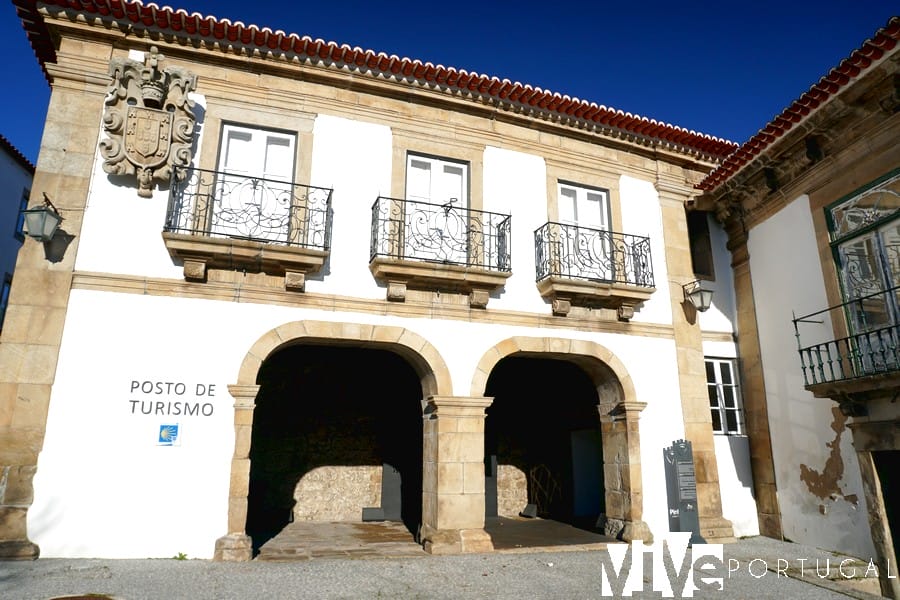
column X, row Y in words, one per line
column 851, row 349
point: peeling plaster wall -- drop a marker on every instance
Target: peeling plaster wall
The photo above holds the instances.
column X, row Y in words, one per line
column 819, row 486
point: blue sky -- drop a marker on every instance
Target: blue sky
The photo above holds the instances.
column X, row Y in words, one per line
column 721, row 68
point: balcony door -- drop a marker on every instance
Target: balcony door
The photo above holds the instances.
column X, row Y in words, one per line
column 254, row 193
column 436, row 220
column 585, row 244
column 867, row 249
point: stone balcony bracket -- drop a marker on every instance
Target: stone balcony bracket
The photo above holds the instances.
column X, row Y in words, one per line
column 564, row 293
column 400, row 275
column 200, row 253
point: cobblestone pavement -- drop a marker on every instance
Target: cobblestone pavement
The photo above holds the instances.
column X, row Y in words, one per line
column 573, row 574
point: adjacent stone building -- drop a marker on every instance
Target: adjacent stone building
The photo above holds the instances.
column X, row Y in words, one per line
column 16, row 172
column 811, row 206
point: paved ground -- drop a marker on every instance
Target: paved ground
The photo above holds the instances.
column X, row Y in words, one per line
column 515, row 575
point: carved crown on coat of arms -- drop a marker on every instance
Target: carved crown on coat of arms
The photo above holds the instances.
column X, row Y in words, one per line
column 149, row 121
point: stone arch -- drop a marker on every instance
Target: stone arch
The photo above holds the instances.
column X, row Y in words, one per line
column 424, row 358
column 618, row 409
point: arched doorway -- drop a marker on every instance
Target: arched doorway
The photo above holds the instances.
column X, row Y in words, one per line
column 424, row 360
column 542, row 442
column 336, row 430
column 617, row 410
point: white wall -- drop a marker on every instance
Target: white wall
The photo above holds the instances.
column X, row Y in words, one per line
column 515, row 183
column 354, row 159
column 641, row 215
column 105, row 487
column 722, row 314
column 784, row 266
column 101, row 461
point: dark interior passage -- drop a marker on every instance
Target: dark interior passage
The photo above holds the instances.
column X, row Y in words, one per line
column 334, row 406
column 887, row 465
column 544, row 422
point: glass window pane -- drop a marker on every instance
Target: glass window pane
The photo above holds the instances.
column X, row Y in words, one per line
column 728, row 393
column 716, row 421
column 567, row 199
column 592, row 210
column 279, row 159
column 725, row 367
column 238, row 151
column 713, row 395
column 710, row 372
column 418, row 180
column 451, row 187
column 731, row 421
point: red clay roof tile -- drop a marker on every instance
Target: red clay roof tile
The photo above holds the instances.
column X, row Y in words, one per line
column 167, row 19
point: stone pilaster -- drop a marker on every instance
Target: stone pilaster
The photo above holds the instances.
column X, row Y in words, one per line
column 236, row 545
column 453, row 475
column 753, row 386
column 622, row 473
column 691, row 367
column 32, row 330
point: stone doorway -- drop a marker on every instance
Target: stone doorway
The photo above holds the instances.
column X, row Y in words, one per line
column 336, row 429
column 597, row 378
column 887, row 464
column 542, row 442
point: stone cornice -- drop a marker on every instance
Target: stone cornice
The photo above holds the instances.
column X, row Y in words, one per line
column 298, row 68
column 863, row 119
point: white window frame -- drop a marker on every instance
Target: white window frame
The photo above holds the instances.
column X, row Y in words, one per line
column 581, row 197
column 716, row 387
column 437, row 165
column 278, row 196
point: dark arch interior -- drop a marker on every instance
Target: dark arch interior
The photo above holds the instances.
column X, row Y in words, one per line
column 544, row 421
column 333, row 406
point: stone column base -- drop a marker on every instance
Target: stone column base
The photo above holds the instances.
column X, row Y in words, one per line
column 456, row 541
column 716, row 530
column 627, row 531
column 19, row 550
column 234, row 547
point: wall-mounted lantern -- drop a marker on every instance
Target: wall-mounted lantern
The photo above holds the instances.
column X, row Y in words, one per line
column 698, row 295
column 41, row 222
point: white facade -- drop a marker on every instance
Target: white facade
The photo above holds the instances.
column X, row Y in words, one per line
column 130, row 364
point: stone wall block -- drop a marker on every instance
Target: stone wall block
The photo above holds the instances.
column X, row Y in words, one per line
column 240, row 477
column 473, row 478
column 12, row 523
column 449, row 478
column 18, row 488
column 460, row 511
column 31, row 406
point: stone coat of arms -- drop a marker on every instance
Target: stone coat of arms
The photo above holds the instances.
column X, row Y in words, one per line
column 149, row 122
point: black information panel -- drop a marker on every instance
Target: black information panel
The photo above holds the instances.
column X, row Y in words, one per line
column 681, row 485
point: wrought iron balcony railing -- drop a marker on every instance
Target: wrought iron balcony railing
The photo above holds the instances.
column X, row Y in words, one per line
column 870, row 349
column 440, row 233
column 225, row 205
column 573, row 252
